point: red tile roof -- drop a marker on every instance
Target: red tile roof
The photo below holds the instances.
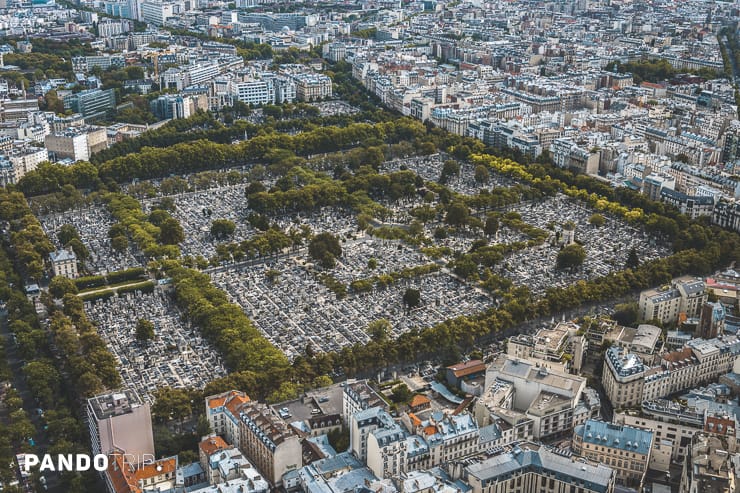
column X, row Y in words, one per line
column 467, row 368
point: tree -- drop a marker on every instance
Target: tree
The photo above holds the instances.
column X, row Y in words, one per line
column 60, row 285
column 119, row 243
column 170, row 404
column 322, row 381
column 412, row 297
column 597, row 220
column 491, row 226
column 449, row 168
column 325, row 248
column 633, row 261
column 457, row 214
column 222, row 228
column 378, row 329
column 401, row 393
column 78, row 247
column 144, row 330
column 67, row 233
column 481, row 174
column 571, row 256
column 626, row 313
column 170, row 232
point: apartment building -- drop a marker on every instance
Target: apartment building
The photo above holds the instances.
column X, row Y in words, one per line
column 64, row 263
column 531, row 468
column 222, row 411
column 628, row 381
column 554, row 400
column 623, row 448
column 268, row 442
column 685, row 296
column 120, row 422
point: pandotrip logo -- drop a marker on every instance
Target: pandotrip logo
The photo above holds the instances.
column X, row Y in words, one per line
column 81, row 462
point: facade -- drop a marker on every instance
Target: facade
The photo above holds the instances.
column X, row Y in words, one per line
column 76, row 143
column 554, row 401
column 268, row 442
column 120, row 422
column 623, row 448
column 685, row 296
column 711, row 321
column 312, row 87
column 64, row 263
column 91, row 102
column 534, row 469
column 26, row 159
column 222, row 411
column 628, row 381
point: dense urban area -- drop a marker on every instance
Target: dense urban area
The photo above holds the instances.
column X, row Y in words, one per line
column 389, row 246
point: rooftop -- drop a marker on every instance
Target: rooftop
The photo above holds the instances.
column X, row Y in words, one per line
column 615, row 436
column 114, row 404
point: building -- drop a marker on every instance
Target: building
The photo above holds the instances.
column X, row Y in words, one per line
column 268, row 442
column 14, row 110
column 123, row 476
column 76, row 143
column 312, row 87
column 711, row 321
column 120, row 422
column 623, row 448
column 684, row 297
column 224, row 463
column 709, row 466
column 628, row 381
column 358, row 396
column 222, row 411
column 551, row 344
column 85, row 64
column 91, row 102
column 459, row 373
column 157, row 12
column 623, row 377
column 554, row 401
column 362, row 424
column 531, row 468
column 64, row 263
column 675, row 423
column 26, row 159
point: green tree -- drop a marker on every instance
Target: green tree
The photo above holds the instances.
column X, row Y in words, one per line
column 67, row 233
column 378, row 330
column 60, row 285
column 322, row 381
column 571, row 256
column 170, row 232
column 457, row 214
column 597, row 220
column 491, row 226
column 144, row 330
column 222, row 228
column 412, row 297
column 325, row 248
column 633, row 261
column 481, row 174
column 171, row 404
column 401, row 394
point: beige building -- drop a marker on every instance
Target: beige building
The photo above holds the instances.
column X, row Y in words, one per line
column 120, row 422
column 64, row 263
column 684, row 297
column 623, row 448
column 532, row 468
column 77, row 143
column 554, row 400
column 268, row 442
column 222, row 411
